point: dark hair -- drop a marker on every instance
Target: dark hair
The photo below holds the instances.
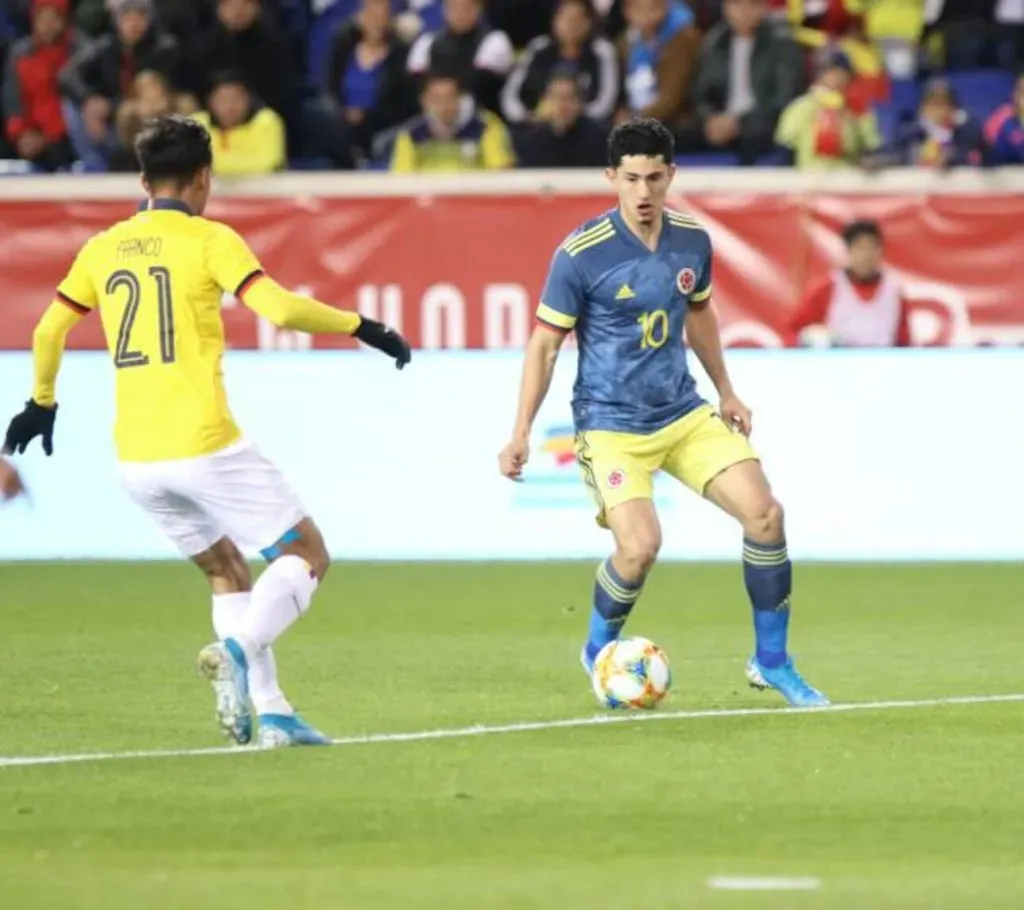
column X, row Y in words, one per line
column 588, row 7
column 643, row 136
column 442, row 74
column 173, row 149
column 861, row 228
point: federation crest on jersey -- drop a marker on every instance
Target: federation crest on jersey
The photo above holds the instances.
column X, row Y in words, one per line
column 686, row 281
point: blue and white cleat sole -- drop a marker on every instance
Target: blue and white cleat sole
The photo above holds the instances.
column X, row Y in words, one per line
column 279, row 731
column 228, row 676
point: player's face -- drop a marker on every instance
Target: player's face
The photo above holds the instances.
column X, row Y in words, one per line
column 865, row 256
column 642, row 184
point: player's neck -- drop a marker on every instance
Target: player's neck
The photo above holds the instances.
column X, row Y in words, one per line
column 647, row 232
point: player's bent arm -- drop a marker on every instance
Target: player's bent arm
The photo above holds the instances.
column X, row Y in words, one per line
column 48, row 342
column 706, row 342
column 538, row 368
column 288, row 310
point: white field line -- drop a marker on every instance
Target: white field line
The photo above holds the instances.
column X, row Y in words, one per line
column 751, row 883
column 595, row 720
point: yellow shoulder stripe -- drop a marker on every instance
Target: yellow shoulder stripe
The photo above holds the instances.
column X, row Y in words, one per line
column 600, row 231
column 701, row 296
column 684, row 221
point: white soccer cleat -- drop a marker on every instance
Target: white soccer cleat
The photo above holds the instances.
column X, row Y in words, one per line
column 224, row 666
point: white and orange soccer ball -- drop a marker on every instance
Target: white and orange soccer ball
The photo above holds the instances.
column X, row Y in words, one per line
column 631, row 673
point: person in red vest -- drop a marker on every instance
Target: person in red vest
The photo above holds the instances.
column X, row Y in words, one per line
column 31, row 97
column 860, row 306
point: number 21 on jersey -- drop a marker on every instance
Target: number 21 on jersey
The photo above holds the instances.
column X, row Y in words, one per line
column 653, row 329
column 139, row 298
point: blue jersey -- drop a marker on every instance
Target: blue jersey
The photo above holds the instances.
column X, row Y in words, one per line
column 628, row 305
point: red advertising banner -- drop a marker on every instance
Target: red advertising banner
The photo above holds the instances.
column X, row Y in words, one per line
column 465, row 271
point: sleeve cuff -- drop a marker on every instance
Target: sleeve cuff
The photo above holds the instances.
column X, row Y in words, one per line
column 553, row 318
column 701, row 296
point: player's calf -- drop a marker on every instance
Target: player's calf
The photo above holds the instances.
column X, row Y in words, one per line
column 620, row 578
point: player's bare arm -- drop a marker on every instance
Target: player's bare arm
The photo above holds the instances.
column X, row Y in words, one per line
column 538, row 368
column 706, row 342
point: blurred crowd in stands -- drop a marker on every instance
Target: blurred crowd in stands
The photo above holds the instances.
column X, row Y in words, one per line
column 417, row 85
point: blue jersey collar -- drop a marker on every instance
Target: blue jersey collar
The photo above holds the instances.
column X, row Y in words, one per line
column 166, row 205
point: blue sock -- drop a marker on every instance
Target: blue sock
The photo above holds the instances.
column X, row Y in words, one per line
column 613, row 600
column 768, row 575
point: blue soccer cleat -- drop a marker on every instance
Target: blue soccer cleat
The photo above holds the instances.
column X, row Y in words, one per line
column 788, row 682
column 224, row 665
column 278, row 730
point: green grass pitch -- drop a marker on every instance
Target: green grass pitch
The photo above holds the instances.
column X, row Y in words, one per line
column 917, row 808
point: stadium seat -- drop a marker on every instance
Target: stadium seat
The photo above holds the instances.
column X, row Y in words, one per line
column 980, row 92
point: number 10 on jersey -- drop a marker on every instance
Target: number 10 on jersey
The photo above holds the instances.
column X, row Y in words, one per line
column 124, row 356
column 653, row 329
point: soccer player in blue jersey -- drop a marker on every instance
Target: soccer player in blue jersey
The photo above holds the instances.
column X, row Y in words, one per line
column 627, row 282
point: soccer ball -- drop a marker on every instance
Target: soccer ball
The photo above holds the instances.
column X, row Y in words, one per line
column 631, row 673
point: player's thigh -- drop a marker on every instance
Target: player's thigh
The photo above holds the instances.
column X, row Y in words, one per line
column 246, row 493
column 703, row 448
column 743, row 491
column 158, row 490
column 617, row 468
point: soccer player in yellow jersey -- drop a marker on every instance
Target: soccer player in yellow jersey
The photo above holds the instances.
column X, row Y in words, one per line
column 628, row 282
column 157, row 279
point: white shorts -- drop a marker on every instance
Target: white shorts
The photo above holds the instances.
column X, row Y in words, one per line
column 234, row 493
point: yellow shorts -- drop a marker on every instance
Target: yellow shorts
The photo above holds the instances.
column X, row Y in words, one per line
column 618, row 467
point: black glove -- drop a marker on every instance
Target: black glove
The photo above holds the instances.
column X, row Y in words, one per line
column 34, row 421
column 379, row 336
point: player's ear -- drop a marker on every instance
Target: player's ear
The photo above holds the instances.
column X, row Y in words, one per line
column 671, row 172
column 609, row 172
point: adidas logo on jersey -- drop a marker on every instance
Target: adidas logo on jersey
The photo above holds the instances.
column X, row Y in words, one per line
column 625, row 293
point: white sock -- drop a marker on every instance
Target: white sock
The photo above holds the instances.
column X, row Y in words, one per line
column 228, row 619
column 280, row 597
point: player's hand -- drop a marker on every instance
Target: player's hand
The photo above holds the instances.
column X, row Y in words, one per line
column 736, row 414
column 379, row 336
column 513, row 457
column 10, row 483
column 34, row 421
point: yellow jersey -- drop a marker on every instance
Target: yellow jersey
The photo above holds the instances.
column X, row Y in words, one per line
column 157, row 279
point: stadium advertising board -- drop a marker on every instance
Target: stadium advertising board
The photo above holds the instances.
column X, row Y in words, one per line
column 463, row 271
column 884, row 455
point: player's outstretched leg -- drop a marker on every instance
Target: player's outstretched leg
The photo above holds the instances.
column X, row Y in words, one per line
column 743, row 491
column 620, row 578
column 282, row 595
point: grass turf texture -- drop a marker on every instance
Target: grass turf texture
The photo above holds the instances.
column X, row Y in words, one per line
column 908, row 809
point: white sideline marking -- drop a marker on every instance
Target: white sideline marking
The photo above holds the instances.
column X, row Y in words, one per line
column 24, row 761
column 742, row 883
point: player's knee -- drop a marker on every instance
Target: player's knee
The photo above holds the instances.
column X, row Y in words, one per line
column 766, row 522
column 311, row 547
column 638, row 552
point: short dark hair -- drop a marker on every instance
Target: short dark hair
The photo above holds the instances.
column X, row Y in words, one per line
column 863, row 227
column 442, row 74
column 173, row 150
column 643, row 136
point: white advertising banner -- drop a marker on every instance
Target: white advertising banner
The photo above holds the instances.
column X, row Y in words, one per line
column 887, row 455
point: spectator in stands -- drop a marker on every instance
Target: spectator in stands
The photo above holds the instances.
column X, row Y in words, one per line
column 242, row 40
column 571, row 48
column 1004, row 131
column 748, row 72
column 823, row 128
column 150, row 96
column 31, row 95
column 521, row 20
column 944, row 135
column 247, row 137
column 478, row 55
column 98, row 78
column 975, row 34
column 452, row 134
column 659, row 51
column 179, row 17
column 562, row 135
column 860, row 306
column 366, row 89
